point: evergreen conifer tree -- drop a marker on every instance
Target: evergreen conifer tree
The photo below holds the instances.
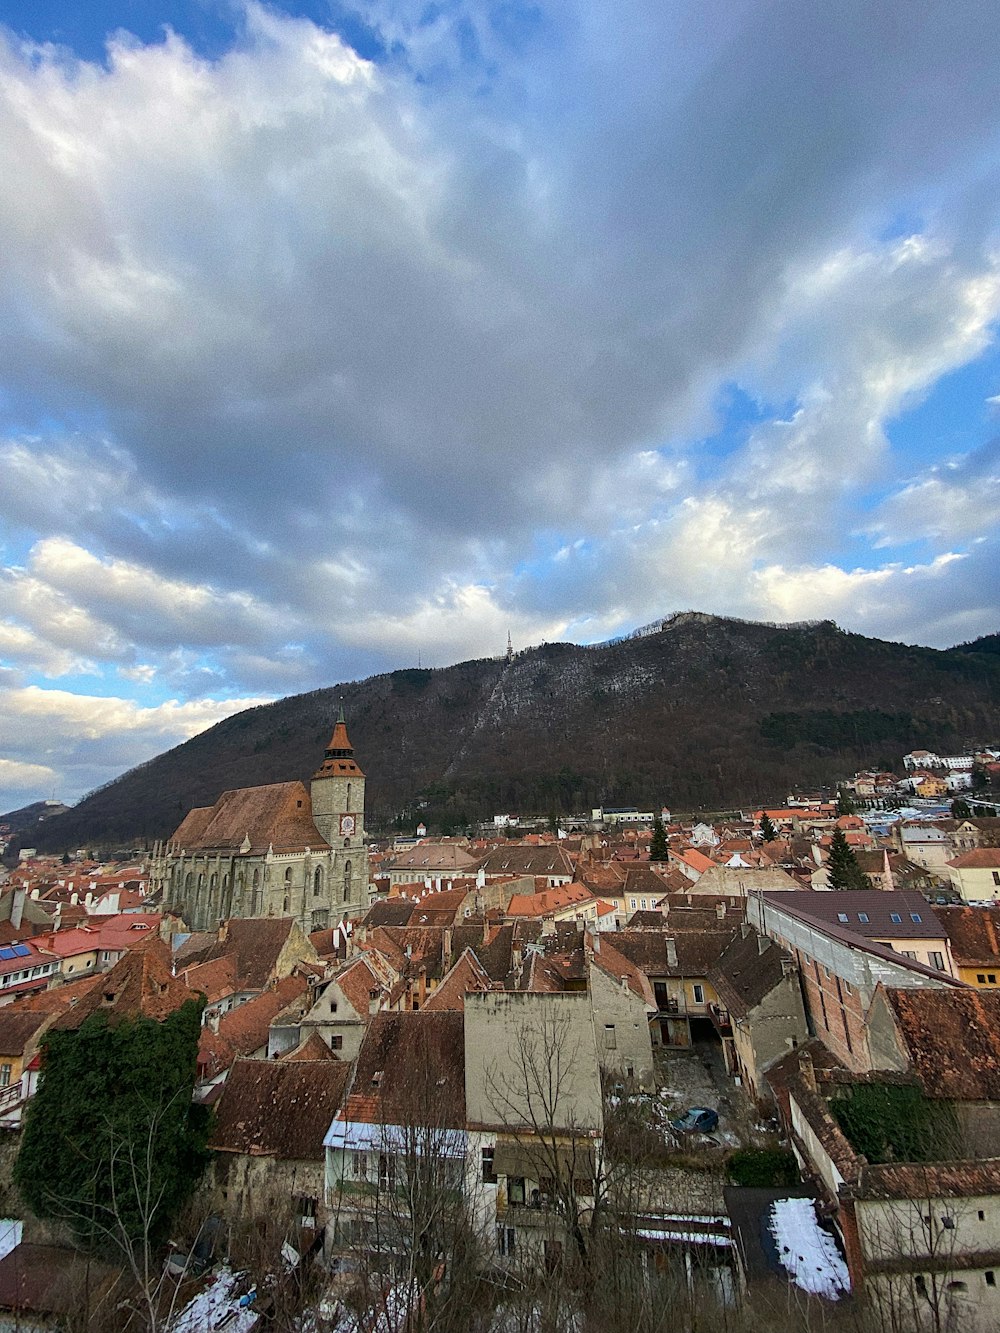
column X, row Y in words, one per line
column 658, row 846
column 767, row 830
column 842, row 865
column 845, row 806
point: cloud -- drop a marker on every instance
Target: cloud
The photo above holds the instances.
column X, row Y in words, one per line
column 15, row 777
column 313, row 364
column 85, row 740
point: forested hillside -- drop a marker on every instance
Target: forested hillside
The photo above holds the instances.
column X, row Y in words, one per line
column 700, row 712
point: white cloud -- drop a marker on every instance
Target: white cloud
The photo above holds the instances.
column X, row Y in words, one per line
column 16, row 777
column 84, row 740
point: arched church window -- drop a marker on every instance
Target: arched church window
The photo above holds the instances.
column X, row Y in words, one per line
column 284, row 904
column 348, row 804
column 347, row 880
column 213, row 883
column 318, row 882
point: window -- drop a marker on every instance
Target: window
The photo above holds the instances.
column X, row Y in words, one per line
column 610, row 1040
column 634, row 903
column 842, row 916
column 386, row 1170
column 643, row 904
column 699, row 993
column 982, row 1215
column 847, row 988
column 895, row 918
column 5, row 1072
column 996, row 877
column 506, row 1241
column 915, row 916
column 305, row 1206
column 991, row 1277
column 936, row 960
column 489, row 1174
column 359, row 1165
column 910, row 953
column 515, row 1189
column 336, row 1042
column 991, row 977
column 981, row 978
column 863, row 918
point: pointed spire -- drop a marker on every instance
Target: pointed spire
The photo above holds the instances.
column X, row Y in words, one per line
column 338, row 757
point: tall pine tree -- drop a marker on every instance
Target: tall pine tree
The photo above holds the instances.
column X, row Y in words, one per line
column 842, row 866
column 767, row 830
column 658, row 846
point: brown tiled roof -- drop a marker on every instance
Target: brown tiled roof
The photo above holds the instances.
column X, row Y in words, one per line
column 615, row 965
column 278, row 1108
column 18, row 1028
column 254, row 945
column 697, row 952
column 196, row 948
column 467, row 975
column 192, row 827
column 214, row 979
column 57, row 998
column 940, row 1180
column 48, row 1280
column 278, row 815
column 746, row 973
column 513, row 859
column 410, row 1069
column 244, row 1029
column 953, row 1039
column 357, row 981
column 974, row 933
column 388, row 912
column 429, row 858
column 981, row 858
column 313, row 1048
column 140, row 984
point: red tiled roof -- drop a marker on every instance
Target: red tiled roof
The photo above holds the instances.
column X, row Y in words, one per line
column 140, row 984
column 278, row 1108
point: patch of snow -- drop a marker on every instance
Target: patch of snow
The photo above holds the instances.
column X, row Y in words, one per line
column 687, row 1237
column 217, row 1307
column 10, row 1235
column 809, row 1253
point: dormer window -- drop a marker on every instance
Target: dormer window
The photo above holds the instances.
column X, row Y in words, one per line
column 377, row 1078
column 895, row 918
column 863, row 918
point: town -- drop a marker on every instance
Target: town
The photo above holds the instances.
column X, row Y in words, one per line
column 620, row 1070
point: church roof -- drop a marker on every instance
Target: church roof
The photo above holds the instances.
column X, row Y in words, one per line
column 338, row 758
column 278, row 815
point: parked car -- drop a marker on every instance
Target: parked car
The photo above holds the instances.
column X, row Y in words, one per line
column 696, row 1120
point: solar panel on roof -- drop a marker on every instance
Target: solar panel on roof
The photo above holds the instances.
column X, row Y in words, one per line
column 21, row 951
column 6, row 953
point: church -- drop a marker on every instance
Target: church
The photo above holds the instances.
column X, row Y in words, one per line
column 282, row 850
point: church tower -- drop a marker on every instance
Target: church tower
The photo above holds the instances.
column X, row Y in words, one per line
column 338, row 791
column 338, row 811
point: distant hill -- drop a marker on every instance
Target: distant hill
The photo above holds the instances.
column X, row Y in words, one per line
column 28, row 817
column 696, row 711
column 988, row 643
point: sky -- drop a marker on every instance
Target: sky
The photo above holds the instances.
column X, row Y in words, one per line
column 340, row 335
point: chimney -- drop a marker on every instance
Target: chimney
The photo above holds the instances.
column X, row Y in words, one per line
column 74, row 898
column 447, row 945
column 88, row 898
column 596, row 938
column 17, row 908
column 807, row 1070
column 671, row 951
column 762, row 943
column 788, row 968
column 548, row 926
column 480, row 878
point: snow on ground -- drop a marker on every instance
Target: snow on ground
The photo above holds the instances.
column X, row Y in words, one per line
column 808, row 1252
column 216, row 1307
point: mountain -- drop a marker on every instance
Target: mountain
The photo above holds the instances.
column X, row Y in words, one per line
column 695, row 711
column 28, row 817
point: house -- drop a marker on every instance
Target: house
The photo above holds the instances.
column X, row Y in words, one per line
column 927, row 844
column 841, row 966
column 343, row 1007
column 921, row 1237
column 141, row 984
column 21, row 1033
column 974, row 936
column 677, row 964
column 25, row 968
column 535, row 1119
column 431, row 860
column 268, row 1131
column 975, row 876
column 551, row 863
column 245, row 1031
column 760, row 1015
column 396, row 1151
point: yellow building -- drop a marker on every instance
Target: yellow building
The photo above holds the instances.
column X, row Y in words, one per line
column 975, row 875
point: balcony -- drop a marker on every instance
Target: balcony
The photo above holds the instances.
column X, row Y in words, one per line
column 720, row 1020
